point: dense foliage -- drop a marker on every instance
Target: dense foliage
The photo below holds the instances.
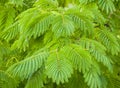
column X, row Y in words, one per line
column 59, row 43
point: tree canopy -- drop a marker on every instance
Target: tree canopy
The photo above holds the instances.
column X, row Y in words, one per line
column 59, row 43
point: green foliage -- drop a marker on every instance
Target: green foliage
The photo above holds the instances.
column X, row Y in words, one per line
column 109, row 41
column 10, row 32
column 28, row 66
column 17, row 2
column 81, row 21
column 97, row 50
column 59, row 44
column 58, row 67
column 36, row 80
column 7, row 16
column 80, row 58
column 6, row 81
column 85, row 1
column 107, row 5
column 62, row 25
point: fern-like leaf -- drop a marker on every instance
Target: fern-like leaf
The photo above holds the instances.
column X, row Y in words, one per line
column 34, row 27
column 106, row 5
column 36, row 80
column 37, row 29
column 58, row 67
column 109, row 40
column 81, row 59
column 78, row 56
column 62, row 25
column 92, row 77
column 28, row 66
column 7, row 15
column 10, row 32
column 6, row 81
column 97, row 50
column 81, row 21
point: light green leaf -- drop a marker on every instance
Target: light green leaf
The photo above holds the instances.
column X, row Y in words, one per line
column 28, row 66
column 62, row 26
column 58, row 67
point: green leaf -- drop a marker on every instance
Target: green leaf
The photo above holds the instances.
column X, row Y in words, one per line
column 97, row 50
column 7, row 15
column 85, row 1
column 62, row 26
column 58, row 67
column 109, row 40
column 78, row 56
column 107, row 5
column 81, row 21
column 34, row 27
column 36, row 80
column 6, row 81
column 92, row 77
column 28, row 66
column 11, row 32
